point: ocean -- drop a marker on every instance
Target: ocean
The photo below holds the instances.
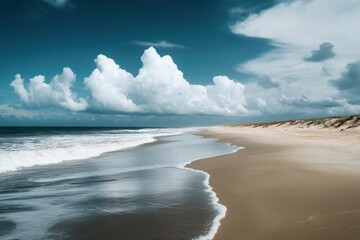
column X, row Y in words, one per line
column 106, row 183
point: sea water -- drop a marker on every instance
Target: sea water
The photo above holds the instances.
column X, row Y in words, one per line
column 103, row 183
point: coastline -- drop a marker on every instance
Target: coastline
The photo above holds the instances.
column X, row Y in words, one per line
column 286, row 184
column 221, row 209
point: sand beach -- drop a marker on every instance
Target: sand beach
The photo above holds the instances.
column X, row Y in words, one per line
column 289, row 182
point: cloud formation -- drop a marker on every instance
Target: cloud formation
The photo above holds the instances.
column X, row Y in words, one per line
column 159, row 88
column 293, row 28
column 301, row 22
column 304, row 102
column 324, row 52
column 57, row 93
column 349, row 84
column 57, row 3
column 8, row 111
column 159, row 44
column 350, row 79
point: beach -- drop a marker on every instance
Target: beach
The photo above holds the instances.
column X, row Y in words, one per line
column 287, row 183
column 279, row 183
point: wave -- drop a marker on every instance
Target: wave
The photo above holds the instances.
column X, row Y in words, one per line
column 28, row 151
column 220, row 209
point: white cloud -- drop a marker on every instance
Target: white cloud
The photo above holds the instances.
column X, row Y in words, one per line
column 55, row 94
column 304, row 22
column 261, row 103
column 160, row 88
column 295, row 28
column 8, row 111
column 159, row 44
column 108, row 85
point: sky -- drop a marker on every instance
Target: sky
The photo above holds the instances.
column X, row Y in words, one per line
column 179, row 63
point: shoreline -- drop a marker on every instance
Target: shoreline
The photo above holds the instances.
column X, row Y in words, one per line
column 192, row 218
column 285, row 185
column 214, row 198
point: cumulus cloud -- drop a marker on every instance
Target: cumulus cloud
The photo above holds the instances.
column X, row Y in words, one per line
column 159, row 44
column 57, row 3
column 108, row 85
column 324, row 52
column 160, row 88
column 293, row 28
column 57, row 93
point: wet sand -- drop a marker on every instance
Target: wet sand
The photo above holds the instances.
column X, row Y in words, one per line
column 296, row 184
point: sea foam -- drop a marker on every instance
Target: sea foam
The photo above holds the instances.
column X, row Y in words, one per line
column 17, row 152
column 221, row 209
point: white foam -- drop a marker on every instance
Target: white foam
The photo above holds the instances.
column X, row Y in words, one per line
column 221, row 209
column 44, row 150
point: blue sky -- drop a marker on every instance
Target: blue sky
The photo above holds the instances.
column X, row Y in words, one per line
column 177, row 63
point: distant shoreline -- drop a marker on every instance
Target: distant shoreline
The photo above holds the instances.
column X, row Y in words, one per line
column 290, row 182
